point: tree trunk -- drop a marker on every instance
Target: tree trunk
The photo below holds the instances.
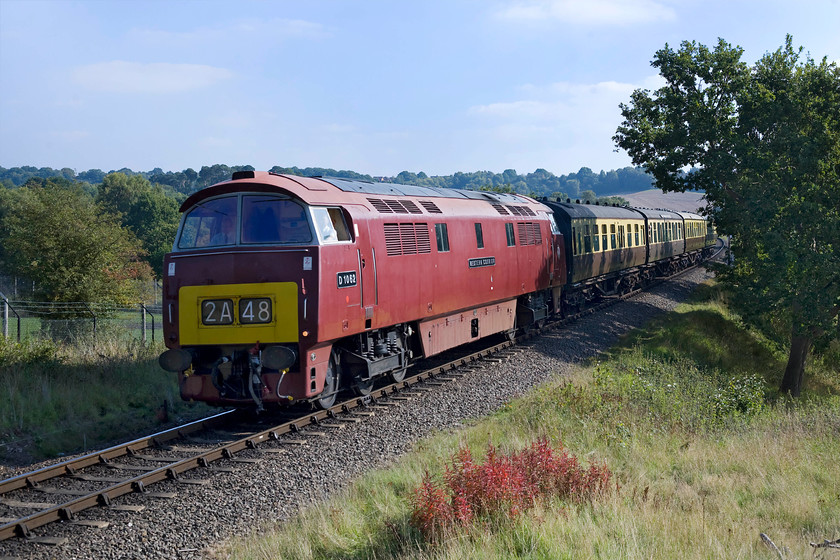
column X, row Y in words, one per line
column 795, row 370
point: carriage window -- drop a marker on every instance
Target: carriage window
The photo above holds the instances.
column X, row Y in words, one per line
column 604, row 235
column 330, row 225
column 596, row 246
column 612, row 236
column 442, row 236
column 210, row 224
column 587, row 240
column 636, row 228
column 511, row 238
column 621, row 236
column 479, row 236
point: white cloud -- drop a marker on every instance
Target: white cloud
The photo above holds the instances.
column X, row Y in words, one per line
column 134, row 77
column 588, row 12
column 244, row 30
column 560, row 101
column 555, row 126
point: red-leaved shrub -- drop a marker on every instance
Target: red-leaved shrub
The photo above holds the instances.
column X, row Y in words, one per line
column 502, row 485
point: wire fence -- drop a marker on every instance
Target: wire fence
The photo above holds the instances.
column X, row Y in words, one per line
column 69, row 321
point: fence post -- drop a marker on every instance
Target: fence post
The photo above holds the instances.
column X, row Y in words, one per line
column 6, row 307
column 92, row 314
column 5, row 317
column 143, row 320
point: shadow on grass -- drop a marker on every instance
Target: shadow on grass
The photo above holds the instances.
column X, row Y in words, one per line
column 711, row 340
column 49, row 408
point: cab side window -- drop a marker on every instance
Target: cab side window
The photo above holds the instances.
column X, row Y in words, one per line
column 442, row 236
column 330, row 225
column 479, row 236
column 511, row 237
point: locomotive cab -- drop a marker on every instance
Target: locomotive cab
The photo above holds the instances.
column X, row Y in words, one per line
column 241, row 297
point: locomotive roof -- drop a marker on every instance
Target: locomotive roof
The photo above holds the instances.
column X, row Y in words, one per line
column 397, row 189
column 328, row 189
column 578, row 211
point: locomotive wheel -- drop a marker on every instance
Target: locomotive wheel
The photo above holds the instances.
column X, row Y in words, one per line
column 363, row 388
column 398, row 375
column 330, row 385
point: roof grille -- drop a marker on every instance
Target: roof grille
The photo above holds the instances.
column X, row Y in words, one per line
column 499, row 208
column 520, row 211
column 411, row 207
column 396, row 206
column 430, row 207
column 380, row 205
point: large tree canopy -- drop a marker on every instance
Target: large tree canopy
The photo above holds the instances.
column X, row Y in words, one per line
column 146, row 210
column 763, row 142
column 58, row 237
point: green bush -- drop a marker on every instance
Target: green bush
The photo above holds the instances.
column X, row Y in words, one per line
column 677, row 391
column 30, row 351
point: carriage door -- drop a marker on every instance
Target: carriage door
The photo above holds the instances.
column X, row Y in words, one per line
column 558, row 259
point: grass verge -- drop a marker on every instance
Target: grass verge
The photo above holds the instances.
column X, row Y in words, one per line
column 684, row 413
column 60, row 398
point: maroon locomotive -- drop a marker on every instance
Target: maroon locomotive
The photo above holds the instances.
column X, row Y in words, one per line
column 283, row 289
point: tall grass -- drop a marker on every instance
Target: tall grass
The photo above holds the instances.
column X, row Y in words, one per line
column 60, row 398
column 684, row 414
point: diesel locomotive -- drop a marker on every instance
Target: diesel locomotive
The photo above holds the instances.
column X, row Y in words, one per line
column 282, row 289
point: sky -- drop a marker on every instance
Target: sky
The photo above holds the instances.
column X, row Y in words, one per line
column 376, row 87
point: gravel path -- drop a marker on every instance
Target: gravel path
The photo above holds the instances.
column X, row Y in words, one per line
column 235, row 503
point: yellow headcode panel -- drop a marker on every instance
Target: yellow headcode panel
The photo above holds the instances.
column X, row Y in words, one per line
column 238, row 313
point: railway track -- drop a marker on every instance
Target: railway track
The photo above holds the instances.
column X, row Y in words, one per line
column 184, row 454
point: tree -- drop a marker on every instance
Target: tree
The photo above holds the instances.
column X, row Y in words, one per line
column 144, row 209
column 60, row 239
column 763, row 142
column 588, row 196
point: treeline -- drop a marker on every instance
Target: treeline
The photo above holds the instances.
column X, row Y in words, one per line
column 80, row 243
column 93, row 236
column 538, row 183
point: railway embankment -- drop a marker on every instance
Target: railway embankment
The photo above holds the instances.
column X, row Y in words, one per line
column 705, row 457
